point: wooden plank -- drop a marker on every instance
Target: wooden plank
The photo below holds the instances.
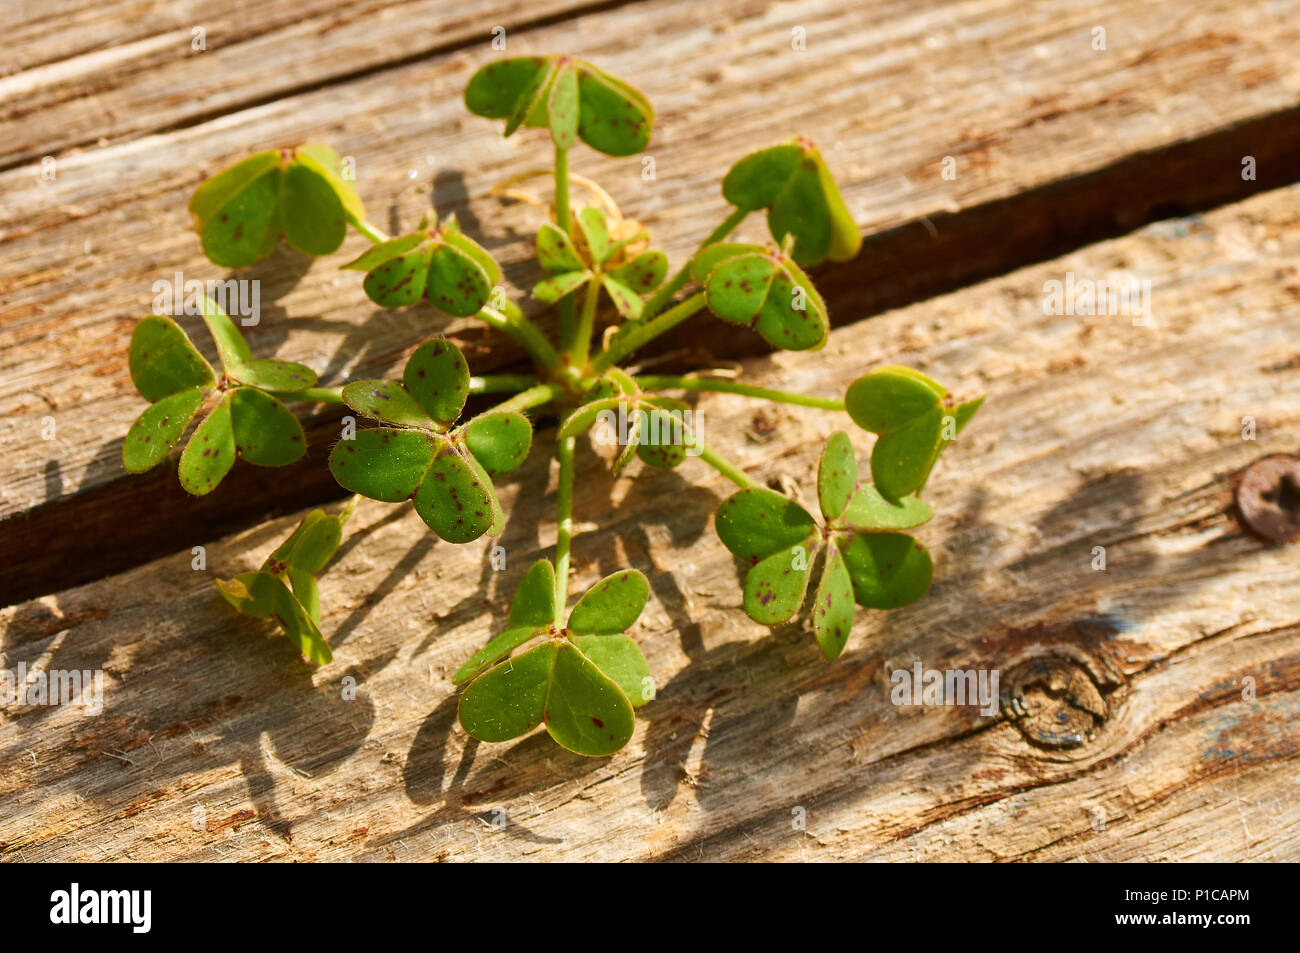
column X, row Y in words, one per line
column 111, row 72
column 1014, row 92
column 1096, row 433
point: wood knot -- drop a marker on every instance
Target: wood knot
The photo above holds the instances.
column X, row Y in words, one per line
column 1268, row 498
column 1054, row 702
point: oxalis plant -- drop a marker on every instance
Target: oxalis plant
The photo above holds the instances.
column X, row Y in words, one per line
column 576, row 672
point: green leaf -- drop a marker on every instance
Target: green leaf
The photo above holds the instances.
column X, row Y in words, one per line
column 457, row 503
column 615, row 117
column 298, row 625
column 586, row 711
column 210, row 453
column 388, row 401
column 582, row 419
column 500, row 646
column 644, row 273
column 325, row 162
column 832, row 608
column 313, row 543
column 500, row 441
column 562, row 105
column 384, row 463
column 710, row 257
column 555, row 251
column 771, row 294
column 791, row 180
column 534, row 602
column 158, row 429
column 664, row 441
column 595, row 231
column 888, row 569
column 311, row 212
column 611, row 605
column 509, row 699
column 231, row 346
column 237, row 211
column 265, row 431
column 457, row 282
column 888, row 398
column 251, row 593
column 756, row 522
column 620, row 659
column 438, row 378
column 966, row 411
column 305, row 589
column 627, row 301
column 400, row 280
column 283, row 376
column 497, row 89
column 557, row 286
column 452, row 235
column 775, row 587
column 385, row 251
column 869, row 510
column 902, row 459
column 837, row 476
column 163, row 361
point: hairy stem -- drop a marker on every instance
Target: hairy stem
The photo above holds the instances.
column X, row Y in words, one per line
column 376, row 235
column 526, row 333
column 533, row 397
column 665, row 294
column 644, row 333
column 563, row 525
column 656, row 382
column 586, row 324
column 501, row 383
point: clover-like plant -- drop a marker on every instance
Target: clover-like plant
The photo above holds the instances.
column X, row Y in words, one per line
column 581, row 676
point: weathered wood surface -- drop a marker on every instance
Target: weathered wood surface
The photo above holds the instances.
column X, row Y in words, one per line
column 1014, row 92
column 1095, row 433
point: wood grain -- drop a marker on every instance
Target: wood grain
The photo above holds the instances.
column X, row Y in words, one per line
column 217, row 742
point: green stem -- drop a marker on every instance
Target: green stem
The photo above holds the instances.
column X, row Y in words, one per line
column 526, row 333
column 563, row 525
column 723, row 466
column 346, row 513
column 328, row 395
column 567, row 308
column 665, row 294
column 533, row 397
column 501, row 383
column 655, row 382
column 376, row 235
column 644, row 333
column 586, row 324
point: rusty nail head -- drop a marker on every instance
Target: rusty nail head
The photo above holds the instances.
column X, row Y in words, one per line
column 1269, row 498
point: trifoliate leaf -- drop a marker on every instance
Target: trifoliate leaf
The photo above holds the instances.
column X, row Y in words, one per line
column 438, row 378
column 770, row 293
column 237, row 211
column 158, row 429
column 265, row 431
column 210, row 453
column 791, row 181
column 384, row 463
column 832, row 608
column 888, row 569
column 756, row 522
column 163, row 361
column 611, row 605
